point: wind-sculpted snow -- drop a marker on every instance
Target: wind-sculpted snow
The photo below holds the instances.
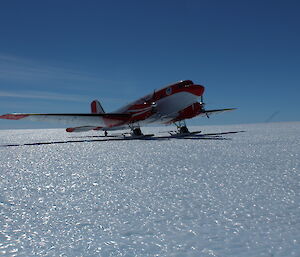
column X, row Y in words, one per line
column 176, row 197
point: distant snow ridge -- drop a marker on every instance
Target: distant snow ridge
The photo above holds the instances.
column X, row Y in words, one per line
column 177, row 197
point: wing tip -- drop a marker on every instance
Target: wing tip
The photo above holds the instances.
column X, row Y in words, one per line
column 70, row 130
column 13, row 116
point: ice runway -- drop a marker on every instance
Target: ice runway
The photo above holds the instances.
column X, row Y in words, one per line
column 238, row 197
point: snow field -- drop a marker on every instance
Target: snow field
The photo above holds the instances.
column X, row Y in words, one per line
column 175, row 197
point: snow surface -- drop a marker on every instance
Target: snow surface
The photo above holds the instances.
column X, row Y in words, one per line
column 177, row 197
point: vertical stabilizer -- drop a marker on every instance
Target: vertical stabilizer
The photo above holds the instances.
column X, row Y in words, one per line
column 96, row 107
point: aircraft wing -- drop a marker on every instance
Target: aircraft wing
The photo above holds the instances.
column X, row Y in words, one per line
column 209, row 112
column 77, row 119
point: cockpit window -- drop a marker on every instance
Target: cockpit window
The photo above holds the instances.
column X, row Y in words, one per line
column 185, row 83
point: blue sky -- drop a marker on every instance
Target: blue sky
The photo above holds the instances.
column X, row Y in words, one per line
column 57, row 56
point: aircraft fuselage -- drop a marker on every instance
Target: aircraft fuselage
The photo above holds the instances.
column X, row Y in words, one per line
column 172, row 103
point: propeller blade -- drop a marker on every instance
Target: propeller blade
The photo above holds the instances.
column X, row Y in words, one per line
column 151, row 100
column 154, row 96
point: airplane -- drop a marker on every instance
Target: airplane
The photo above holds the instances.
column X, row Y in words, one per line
column 172, row 104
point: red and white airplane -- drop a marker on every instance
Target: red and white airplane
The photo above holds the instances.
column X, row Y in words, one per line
column 172, row 104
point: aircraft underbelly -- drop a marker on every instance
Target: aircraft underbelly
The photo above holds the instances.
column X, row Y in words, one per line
column 168, row 108
column 175, row 103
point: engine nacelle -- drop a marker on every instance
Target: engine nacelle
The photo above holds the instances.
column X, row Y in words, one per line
column 189, row 112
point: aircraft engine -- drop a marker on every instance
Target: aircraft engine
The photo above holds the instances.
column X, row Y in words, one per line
column 190, row 111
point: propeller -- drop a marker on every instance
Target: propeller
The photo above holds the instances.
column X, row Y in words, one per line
column 152, row 101
column 203, row 104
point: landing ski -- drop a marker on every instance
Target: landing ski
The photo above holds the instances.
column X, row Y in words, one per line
column 133, row 137
column 188, row 134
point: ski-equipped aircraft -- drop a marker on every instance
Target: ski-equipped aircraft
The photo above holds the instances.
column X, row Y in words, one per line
column 172, row 104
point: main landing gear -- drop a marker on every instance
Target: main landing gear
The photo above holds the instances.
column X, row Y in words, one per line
column 136, row 132
column 181, row 127
column 182, row 130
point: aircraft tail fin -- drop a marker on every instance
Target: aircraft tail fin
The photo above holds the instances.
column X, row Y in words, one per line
column 96, row 107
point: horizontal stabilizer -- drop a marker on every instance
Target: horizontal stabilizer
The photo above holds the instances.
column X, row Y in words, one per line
column 82, row 129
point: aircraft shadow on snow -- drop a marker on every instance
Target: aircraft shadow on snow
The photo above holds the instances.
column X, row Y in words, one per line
column 208, row 136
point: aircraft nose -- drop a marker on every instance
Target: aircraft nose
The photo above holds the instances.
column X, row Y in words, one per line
column 198, row 90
